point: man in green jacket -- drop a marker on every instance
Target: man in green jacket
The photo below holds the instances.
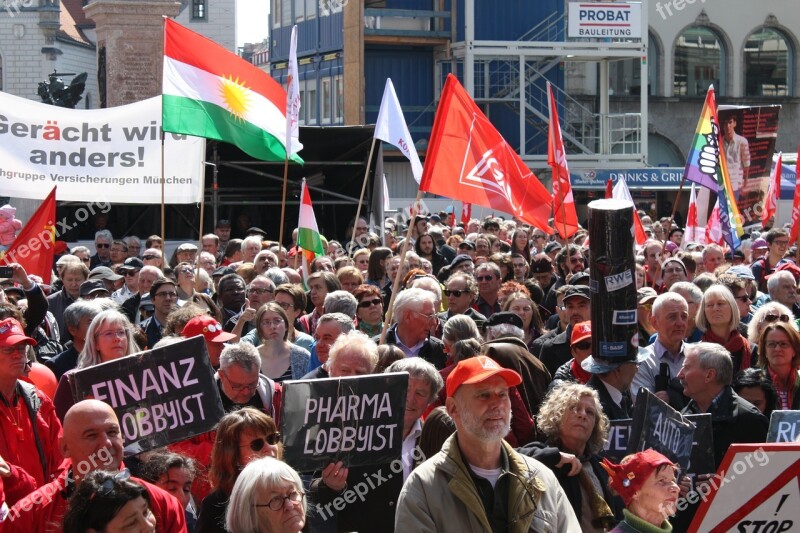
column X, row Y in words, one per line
column 477, row 482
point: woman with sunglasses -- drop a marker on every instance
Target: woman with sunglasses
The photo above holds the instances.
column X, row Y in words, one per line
column 780, row 358
column 242, row 437
column 185, row 278
column 111, row 503
column 280, row 359
column 766, row 314
column 109, row 337
column 369, row 312
column 268, row 497
column 718, row 319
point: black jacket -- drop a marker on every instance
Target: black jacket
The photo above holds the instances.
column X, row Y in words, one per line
column 432, row 351
column 610, row 408
column 556, row 351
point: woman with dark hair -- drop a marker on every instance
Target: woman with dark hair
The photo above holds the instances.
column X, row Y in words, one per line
column 754, row 385
column 109, row 502
column 174, row 473
column 376, row 271
column 370, row 309
column 242, row 436
column 506, row 265
column 520, row 244
column 280, row 359
column 779, row 356
column 524, row 307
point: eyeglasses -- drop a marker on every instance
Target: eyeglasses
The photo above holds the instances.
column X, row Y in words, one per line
column 275, row 323
column 110, row 482
column 149, row 257
column 781, row 243
column 429, row 318
column 773, row 318
column 14, row 350
column 369, row 303
column 167, row 294
column 285, row 305
column 585, row 345
column 783, row 345
column 279, row 502
column 237, row 387
column 455, row 292
column 187, row 271
column 258, row 444
column 484, row 278
column 111, row 334
column 102, row 245
column 259, row 290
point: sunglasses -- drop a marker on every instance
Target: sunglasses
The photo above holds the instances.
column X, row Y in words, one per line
column 258, row 290
column 370, row 303
column 454, row 292
column 258, row 444
column 585, row 345
column 773, row 318
column 101, row 245
column 150, row 257
column 110, row 482
column 484, row 278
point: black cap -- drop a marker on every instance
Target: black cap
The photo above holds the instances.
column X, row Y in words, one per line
column 256, row 231
column 132, row 263
column 504, row 317
column 580, row 278
column 541, row 265
column 552, row 246
column 467, row 244
column 580, row 291
column 221, row 271
column 92, row 285
column 223, row 223
column 461, row 258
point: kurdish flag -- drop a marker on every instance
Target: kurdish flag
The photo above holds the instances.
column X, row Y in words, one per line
column 210, row 92
column 705, row 166
column 307, row 229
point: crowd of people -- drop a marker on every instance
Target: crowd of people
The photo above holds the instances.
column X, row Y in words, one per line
column 507, row 409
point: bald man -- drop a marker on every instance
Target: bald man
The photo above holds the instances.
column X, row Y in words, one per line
column 91, row 440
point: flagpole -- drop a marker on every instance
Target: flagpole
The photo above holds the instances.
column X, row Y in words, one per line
column 396, row 284
column 283, row 199
column 677, row 199
column 163, row 207
column 200, row 229
column 361, row 198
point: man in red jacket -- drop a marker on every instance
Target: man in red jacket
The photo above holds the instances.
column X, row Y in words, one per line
column 92, row 440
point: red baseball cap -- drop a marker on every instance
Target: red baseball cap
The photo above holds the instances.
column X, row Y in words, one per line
column 478, row 369
column 11, row 333
column 630, row 474
column 208, row 327
column 581, row 331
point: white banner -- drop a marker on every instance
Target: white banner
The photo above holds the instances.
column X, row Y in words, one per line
column 109, row 155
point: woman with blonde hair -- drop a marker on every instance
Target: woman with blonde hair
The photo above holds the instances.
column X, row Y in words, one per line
column 718, row 319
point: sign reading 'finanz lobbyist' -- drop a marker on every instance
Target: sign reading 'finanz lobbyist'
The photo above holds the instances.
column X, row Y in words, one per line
column 160, row 396
column 356, row 420
column 605, row 19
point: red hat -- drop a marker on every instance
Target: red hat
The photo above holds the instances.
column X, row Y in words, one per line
column 478, row 369
column 791, row 267
column 581, row 331
column 208, row 327
column 630, row 474
column 11, row 333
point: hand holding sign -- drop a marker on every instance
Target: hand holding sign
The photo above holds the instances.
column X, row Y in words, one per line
column 335, row 476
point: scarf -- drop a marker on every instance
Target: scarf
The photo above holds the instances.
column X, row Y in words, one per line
column 602, row 517
column 580, row 374
column 736, row 344
column 786, row 389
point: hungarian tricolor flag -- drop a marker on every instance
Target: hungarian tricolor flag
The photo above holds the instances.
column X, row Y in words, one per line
column 307, row 230
column 469, row 160
column 564, row 215
column 210, row 92
column 774, row 191
column 34, row 246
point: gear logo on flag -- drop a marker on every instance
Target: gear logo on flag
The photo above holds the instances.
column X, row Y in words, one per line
column 487, row 174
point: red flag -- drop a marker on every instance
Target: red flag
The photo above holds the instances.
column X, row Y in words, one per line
column 34, row 246
column 796, row 203
column 771, row 201
column 565, row 217
column 466, row 213
column 609, row 189
column 469, row 160
column 693, row 231
column 714, row 227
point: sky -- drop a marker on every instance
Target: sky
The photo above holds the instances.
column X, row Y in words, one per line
column 251, row 21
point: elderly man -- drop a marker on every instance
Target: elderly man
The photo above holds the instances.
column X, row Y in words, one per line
column 241, row 383
column 260, row 291
column 102, row 243
column 782, row 287
column 672, row 271
column 77, row 318
column 30, row 427
column 119, row 252
column 329, row 328
column 612, row 379
column 213, row 335
column 415, row 313
column 147, row 276
column 706, row 377
column 153, row 257
column 186, row 253
column 577, row 308
column 73, row 275
column 264, row 260
column 130, row 269
column 164, row 295
column 250, row 247
column 693, row 296
column 211, row 244
column 92, row 440
column 208, row 262
column 134, row 245
column 477, row 482
column 713, row 256
column 658, row 373
column 489, row 280
column 461, row 291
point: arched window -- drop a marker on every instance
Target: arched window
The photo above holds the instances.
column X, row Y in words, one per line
column 624, row 76
column 766, row 64
column 699, row 62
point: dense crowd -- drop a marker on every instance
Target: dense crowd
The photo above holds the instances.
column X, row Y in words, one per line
column 507, row 410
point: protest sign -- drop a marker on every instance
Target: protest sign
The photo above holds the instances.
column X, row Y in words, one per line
column 658, row 426
column 755, row 491
column 356, row 420
column 160, row 396
column 616, row 446
column 784, row 426
column 100, row 155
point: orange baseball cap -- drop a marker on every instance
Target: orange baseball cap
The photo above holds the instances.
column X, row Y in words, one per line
column 478, row 369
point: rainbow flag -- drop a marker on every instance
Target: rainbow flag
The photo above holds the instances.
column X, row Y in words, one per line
column 705, row 167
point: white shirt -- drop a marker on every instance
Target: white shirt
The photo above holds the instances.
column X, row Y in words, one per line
column 409, row 444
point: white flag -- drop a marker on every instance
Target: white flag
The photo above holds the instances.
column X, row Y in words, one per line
column 293, row 100
column 391, row 128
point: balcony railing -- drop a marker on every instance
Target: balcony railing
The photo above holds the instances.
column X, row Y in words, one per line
column 406, row 23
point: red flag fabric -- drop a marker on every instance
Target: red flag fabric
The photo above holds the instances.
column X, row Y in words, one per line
column 34, row 247
column 466, row 213
column 693, row 232
column 771, row 201
column 714, row 227
column 564, row 215
column 609, row 189
column 796, row 204
column 469, row 160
